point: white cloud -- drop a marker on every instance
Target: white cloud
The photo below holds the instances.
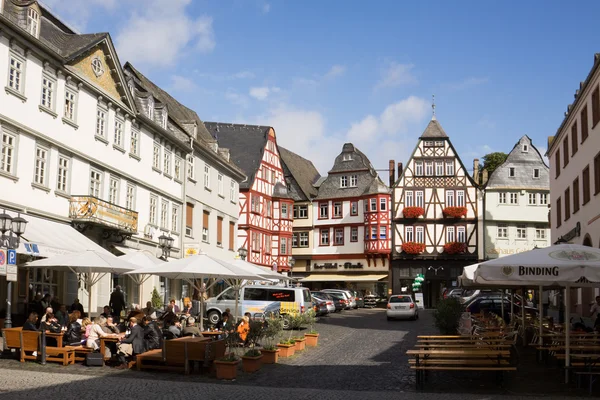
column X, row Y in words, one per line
column 397, row 75
column 182, row 84
column 466, row 83
column 266, row 8
column 335, row 71
column 262, row 93
column 398, row 116
column 158, row 34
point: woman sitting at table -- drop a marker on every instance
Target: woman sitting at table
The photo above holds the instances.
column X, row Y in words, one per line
column 243, row 328
column 51, row 324
column 73, row 333
column 86, row 326
column 96, row 332
column 31, row 323
column 187, row 309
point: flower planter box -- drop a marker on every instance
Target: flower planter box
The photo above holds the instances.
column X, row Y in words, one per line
column 251, row 364
column 455, row 248
column 413, row 247
column 226, row 369
column 286, row 350
column 312, row 339
column 270, row 356
column 455, row 212
column 413, row 212
column 300, row 344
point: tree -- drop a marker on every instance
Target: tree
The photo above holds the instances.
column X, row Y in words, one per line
column 492, row 161
column 157, row 302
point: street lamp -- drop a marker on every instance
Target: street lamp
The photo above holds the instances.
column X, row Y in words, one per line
column 166, row 244
column 10, row 226
column 243, row 253
column 291, row 262
column 435, row 269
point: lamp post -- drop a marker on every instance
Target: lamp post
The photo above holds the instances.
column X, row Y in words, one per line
column 11, row 230
column 435, row 269
column 243, row 253
column 291, row 263
column 166, row 244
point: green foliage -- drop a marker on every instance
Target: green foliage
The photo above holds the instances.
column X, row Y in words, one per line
column 255, row 333
column 310, row 319
column 231, row 342
column 156, row 300
column 492, row 161
column 253, row 353
column 272, row 331
column 447, row 315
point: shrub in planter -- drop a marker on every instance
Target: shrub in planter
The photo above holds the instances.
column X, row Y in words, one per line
column 252, row 360
column 413, row 247
column 447, row 315
column 312, row 337
column 226, row 367
column 272, row 330
column 413, row 212
column 455, row 248
column 455, row 212
column 286, row 348
column 300, row 343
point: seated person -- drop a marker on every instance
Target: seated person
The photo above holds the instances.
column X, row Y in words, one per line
column 48, row 310
column 136, row 313
column 151, row 335
column 62, row 315
column 174, row 306
column 225, row 324
column 96, row 332
column 31, row 323
column 110, row 326
column 72, row 336
column 169, row 316
column 51, row 324
column 187, row 310
column 175, row 328
column 106, row 312
column 148, row 310
column 132, row 344
column 86, row 327
column 191, row 329
column 76, row 306
column 243, row 328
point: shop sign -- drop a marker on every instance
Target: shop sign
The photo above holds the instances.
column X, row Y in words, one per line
column 325, row 266
column 349, row 265
column 190, row 249
column 92, row 209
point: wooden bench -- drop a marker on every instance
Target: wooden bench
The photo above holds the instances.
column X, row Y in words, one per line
column 30, row 342
column 590, row 374
column 80, row 352
column 12, row 338
column 178, row 354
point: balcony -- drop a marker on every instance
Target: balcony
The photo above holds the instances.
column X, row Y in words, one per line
column 90, row 210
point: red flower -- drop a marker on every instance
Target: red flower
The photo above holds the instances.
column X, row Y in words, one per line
column 413, row 247
column 455, row 247
column 413, row 212
column 455, row 212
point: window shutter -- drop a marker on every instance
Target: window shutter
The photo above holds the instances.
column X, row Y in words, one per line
column 231, row 235
column 205, row 219
column 219, row 230
column 189, row 214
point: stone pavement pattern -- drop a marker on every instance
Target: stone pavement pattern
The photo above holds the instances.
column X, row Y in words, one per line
column 360, row 356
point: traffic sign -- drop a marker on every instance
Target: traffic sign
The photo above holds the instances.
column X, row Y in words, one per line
column 12, row 257
column 11, row 273
column 2, row 262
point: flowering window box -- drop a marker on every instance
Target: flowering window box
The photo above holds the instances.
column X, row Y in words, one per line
column 413, row 247
column 413, row 212
column 455, row 212
column 455, row 248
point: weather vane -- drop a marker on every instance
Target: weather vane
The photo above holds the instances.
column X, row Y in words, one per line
column 433, row 103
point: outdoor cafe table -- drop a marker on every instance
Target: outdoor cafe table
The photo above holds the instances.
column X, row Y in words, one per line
column 110, row 338
column 57, row 336
column 212, row 334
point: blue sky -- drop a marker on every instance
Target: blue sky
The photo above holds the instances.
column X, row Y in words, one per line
column 326, row 72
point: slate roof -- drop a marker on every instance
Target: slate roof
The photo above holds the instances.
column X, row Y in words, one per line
column 523, row 164
column 300, row 174
column 281, row 192
column 246, row 144
column 434, row 130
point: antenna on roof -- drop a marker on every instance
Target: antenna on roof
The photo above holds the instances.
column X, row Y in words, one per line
column 433, row 105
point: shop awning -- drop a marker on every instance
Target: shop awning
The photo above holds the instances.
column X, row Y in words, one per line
column 343, row 278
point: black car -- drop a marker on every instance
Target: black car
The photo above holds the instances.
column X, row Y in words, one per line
column 493, row 303
column 320, row 306
column 339, row 300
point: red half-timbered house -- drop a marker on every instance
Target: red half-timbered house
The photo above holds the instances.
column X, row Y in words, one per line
column 266, row 208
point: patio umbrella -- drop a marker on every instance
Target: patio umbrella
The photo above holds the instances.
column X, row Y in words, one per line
column 265, row 273
column 198, row 267
column 141, row 259
column 93, row 264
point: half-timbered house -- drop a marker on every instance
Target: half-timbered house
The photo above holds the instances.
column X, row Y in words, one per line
column 435, row 216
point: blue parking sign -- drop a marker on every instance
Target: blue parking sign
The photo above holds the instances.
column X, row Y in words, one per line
column 12, row 257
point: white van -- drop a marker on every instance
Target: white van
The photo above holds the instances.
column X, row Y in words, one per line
column 258, row 300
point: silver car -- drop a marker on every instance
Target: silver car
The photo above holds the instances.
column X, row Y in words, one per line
column 402, row 307
column 347, row 293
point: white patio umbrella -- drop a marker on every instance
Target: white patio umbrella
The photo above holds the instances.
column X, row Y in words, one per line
column 265, row 273
column 94, row 265
column 198, row 267
column 141, row 259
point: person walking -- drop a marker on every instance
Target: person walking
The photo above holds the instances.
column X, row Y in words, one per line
column 117, row 302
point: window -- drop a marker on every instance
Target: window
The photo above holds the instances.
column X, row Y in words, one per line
column 353, row 180
column 191, row 174
column 450, row 237
column 439, row 168
column 232, row 191
column 119, row 133
column 532, row 199
column 301, row 212
column 536, row 173
column 344, row 181
column 409, row 200
column 409, row 234
column 460, row 198
column 62, row 176
column 7, row 157
column 220, row 184
column 584, row 124
column 324, row 234
column 450, row 168
column 97, row 66
column 283, row 246
column 339, row 236
column 284, row 211
column 255, row 203
column 382, row 232
column 255, row 241
column 557, row 162
column 282, row 295
column 373, row 205
column 419, row 168
column 205, row 226
column 419, row 234
column 574, row 139
column 33, row 21
column 501, row 198
column 177, row 168
column 502, row 232
column 189, row 218
column 48, row 89
column 460, row 234
column 231, row 236
column 337, row 209
column 156, row 156
column 134, row 144
column 300, row 239
column 101, row 122
column 347, row 157
column 373, row 232
column 511, row 172
column 130, row 197
column 597, row 174
column 565, row 152
column 15, row 74
column 585, row 176
column 382, row 204
column 323, row 210
column 113, row 190
column 576, row 195
column 206, row 176
column 354, row 208
column 525, row 148
column 514, row 198
column 558, row 212
column 419, row 198
column 41, row 164
column 521, row 232
column 354, row 234
column 70, row 101
column 595, row 106
column 428, row 168
column 219, row 231
column 567, row 204
column 449, row 198
column 540, row 234
column 255, row 294
column 153, row 207
column 543, row 199
column 164, row 214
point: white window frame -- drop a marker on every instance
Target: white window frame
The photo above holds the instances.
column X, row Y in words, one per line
column 373, row 232
column 450, row 198
column 324, row 207
column 175, row 212
column 232, row 191
column 409, row 199
column 513, row 196
column 338, row 236
column 409, row 234
column 502, row 198
column 220, row 184
column 450, row 234
column 302, row 239
column 382, row 232
column 439, row 168
column 16, row 73
column 33, row 22
column 373, row 203
column 338, row 208
column 461, row 234
column 130, row 195
column 283, row 246
column 502, row 231
column 419, row 196
column 134, row 142
column 205, row 229
column 63, row 174
column 101, row 121
column 532, row 199
column 164, row 214
column 460, row 198
column 344, row 181
column 419, row 234
column 540, row 234
column 354, row 234
column 418, row 168
column 191, row 173
column 153, row 210
column 48, row 92
column 177, row 168
column 382, row 204
column 114, row 186
column 326, row 237
column 428, row 168
column 8, row 152
column 525, row 148
column 156, row 149
column 543, row 199
column 119, row 131
column 70, row 110
column 206, row 176
column 167, row 157
column 450, row 168
column 41, row 164
column 285, row 212
column 521, row 232
column 353, row 180
column 96, row 179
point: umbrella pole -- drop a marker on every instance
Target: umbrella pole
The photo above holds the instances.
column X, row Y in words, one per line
column 541, row 314
column 523, row 294
column 502, row 303
column 237, row 298
column 89, row 283
column 512, row 306
column 201, row 304
column 567, row 333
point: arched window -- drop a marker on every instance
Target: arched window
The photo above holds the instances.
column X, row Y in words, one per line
column 587, row 240
column 33, row 21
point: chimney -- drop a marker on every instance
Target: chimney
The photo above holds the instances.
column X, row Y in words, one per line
column 484, row 176
column 399, row 169
column 476, row 170
column 392, row 176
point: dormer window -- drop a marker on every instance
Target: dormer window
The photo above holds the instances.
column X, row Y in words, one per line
column 511, row 172
column 33, row 21
column 536, row 173
column 347, row 157
column 151, row 107
column 344, row 181
column 165, row 118
column 525, row 148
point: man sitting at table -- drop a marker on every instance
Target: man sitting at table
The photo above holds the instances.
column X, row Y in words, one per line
column 132, row 344
column 62, row 315
column 191, row 329
column 48, row 311
column 110, row 326
column 175, row 328
column 169, row 316
column 106, row 312
column 152, row 336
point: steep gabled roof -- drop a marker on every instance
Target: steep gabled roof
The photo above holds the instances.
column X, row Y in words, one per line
column 67, row 45
column 303, row 173
column 246, row 144
column 434, row 130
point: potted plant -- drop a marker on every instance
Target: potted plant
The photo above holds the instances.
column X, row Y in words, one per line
column 312, row 337
column 455, row 212
column 287, row 348
column 252, row 359
column 413, row 212
column 274, row 327
column 300, row 342
column 455, row 247
column 413, row 247
column 447, row 315
column 226, row 367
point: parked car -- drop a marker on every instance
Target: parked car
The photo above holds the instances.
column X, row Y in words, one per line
column 402, row 306
column 327, row 298
column 348, row 295
column 320, row 306
column 360, row 301
column 493, row 303
column 454, row 293
column 340, row 301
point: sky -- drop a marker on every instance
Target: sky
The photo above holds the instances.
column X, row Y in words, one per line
column 324, row 73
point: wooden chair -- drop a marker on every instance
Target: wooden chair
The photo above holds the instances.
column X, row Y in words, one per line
column 80, row 352
column 12, row 338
